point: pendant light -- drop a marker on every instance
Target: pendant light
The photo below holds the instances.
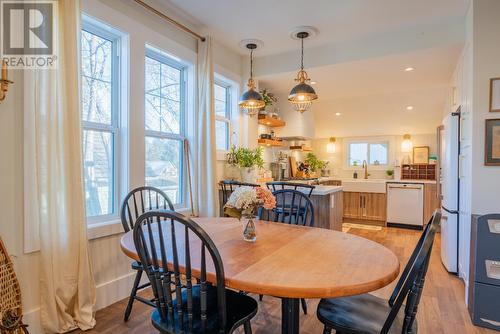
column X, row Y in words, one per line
column 406, row 145
column 302, row 95
column 251, row 101
column 330, row 147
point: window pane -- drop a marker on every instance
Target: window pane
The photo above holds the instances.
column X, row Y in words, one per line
column 221, row 101
column 96, row 78
column 98, row 172
column 163, row 97
column 357, row 153
column 222, row 135
column 378, row 154
column 164, row 166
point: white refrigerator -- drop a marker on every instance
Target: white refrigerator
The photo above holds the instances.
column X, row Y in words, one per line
column 449, row 150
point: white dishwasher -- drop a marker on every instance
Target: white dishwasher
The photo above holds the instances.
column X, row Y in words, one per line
column 405, row 204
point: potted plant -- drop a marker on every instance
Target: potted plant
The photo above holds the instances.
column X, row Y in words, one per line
column 315, row 165
column 248, row 160
column 390, row 174
column 244, row 203
column 268, row 98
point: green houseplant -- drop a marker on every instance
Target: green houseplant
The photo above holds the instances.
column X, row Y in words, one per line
column 248, row 160
column 314, row 163
column 390, row 173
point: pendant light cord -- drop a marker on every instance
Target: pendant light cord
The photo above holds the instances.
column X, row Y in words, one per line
column 302, row 54
column 251, row 64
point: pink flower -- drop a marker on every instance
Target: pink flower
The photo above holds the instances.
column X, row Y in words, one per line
column 266, row 197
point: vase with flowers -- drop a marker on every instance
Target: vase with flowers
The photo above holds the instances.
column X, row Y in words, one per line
column 244, row 203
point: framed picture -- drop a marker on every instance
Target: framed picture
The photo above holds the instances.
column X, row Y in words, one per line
column 421, row 155
column 494, row 94
column 492, row 143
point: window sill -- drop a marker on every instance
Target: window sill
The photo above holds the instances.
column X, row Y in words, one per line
column 114, row 226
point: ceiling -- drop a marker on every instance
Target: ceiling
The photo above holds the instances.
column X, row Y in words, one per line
column 231, row 21
column 372, row 94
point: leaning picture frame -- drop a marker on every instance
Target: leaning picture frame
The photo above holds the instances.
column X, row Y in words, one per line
column 421, row 155
column 492, row 143
column 495, row 95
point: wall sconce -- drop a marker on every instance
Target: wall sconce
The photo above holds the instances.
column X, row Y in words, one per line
column 330, row 147
column 406, row 145
column 4, row 82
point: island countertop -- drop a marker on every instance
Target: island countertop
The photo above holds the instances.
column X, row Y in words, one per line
column 321, row 190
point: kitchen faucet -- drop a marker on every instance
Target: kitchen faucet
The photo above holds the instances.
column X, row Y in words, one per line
column 365, row 167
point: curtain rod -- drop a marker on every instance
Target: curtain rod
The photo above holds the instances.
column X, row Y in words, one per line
column 170, row 20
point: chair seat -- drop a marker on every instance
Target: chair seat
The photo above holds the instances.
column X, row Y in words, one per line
column 361, row 314
column 239, row 309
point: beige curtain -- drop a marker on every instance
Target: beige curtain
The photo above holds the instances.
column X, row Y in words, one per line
column 66, row 280
column 206, row 185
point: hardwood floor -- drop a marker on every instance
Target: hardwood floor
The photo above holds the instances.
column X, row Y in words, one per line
column 442, row 309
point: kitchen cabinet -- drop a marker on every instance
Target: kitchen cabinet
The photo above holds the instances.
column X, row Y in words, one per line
column 431, row 201
column 365, row 206
column 331, row 183
column 351, row 205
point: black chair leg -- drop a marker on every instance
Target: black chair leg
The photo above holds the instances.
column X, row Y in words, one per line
column 260, row 298
column 304, row 305
column 328, row 330
column 133, row 293
column 248, row 327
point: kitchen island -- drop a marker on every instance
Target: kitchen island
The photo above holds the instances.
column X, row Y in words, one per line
column 328, row 206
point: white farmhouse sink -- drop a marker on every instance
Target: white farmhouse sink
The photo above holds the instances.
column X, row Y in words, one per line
column 364, row 186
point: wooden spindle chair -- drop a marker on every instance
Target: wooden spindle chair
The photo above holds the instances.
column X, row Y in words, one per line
column 228, row 186
column 368, row 314
column 137, row 202
column 281, row 185
column 170, row 245
column 292, row 207
column 11, row 313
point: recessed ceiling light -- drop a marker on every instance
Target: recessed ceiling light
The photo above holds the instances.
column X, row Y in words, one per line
column 313, row 82
column 409, row 69
column 409, row 107
column 337, row 114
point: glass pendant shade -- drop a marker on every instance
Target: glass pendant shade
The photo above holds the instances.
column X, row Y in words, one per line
column 406, row 145
column 330, row 147
column 302, row 95
column 251, row 101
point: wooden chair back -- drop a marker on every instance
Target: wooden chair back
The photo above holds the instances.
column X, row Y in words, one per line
column 141, row 200
column 411, row 283
column 228, row 186
column 280, row 185
column 178, row 243
column 292, row 207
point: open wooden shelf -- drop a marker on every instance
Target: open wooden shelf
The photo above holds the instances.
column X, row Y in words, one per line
column 418, row 172
column 271, row 122
column 270, row 142
column 302, row 148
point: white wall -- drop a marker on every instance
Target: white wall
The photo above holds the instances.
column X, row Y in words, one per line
column 111, row 268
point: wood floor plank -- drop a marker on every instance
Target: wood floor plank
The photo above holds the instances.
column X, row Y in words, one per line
column 442, row 309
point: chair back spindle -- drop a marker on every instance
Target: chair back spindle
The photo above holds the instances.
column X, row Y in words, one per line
column 281, row 185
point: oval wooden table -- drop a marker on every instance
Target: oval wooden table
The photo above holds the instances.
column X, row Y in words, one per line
column 293, row 262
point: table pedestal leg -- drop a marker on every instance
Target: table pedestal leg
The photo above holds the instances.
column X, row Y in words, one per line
column 290, row 316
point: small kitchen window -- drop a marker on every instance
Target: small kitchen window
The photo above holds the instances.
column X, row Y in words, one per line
column 374, row 153
column 222, row 93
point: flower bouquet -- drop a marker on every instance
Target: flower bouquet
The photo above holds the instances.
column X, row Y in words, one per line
column 244, row 203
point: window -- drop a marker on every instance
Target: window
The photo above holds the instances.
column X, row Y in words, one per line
column 222, row 116
column 165, row 124
column 374, row 153
column 100, row 119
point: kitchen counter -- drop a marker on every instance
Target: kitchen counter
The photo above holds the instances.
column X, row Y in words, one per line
column 321, row 190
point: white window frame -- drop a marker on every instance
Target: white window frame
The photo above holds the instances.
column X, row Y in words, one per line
column 104, row 31
column 229, row 112
column 163, row 58
column 368, row 141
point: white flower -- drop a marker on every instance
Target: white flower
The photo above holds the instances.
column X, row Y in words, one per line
column 243, row 198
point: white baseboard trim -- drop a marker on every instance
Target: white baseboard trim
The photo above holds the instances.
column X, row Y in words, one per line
column 106, row 294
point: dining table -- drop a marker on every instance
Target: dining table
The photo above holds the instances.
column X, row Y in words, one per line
column 293, row 262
